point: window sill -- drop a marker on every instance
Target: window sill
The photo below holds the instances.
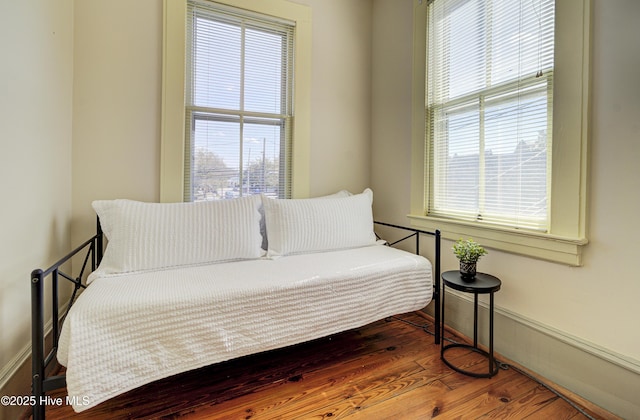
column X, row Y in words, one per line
column 542, row 246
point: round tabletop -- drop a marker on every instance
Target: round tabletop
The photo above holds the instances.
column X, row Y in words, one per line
column 482, row 283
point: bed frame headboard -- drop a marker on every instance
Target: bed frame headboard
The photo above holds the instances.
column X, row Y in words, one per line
column 92, row 249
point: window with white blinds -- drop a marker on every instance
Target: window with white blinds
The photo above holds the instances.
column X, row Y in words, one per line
column 489, row 99
column 239, row 79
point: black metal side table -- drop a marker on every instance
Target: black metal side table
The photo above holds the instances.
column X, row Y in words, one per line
column 481, row 284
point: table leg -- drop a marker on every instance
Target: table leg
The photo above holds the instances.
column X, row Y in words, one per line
column 491, row 359
column 475, row 320
column 442, row 321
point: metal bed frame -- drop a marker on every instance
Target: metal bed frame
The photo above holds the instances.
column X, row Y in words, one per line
column 435, row 275
column 92, row 252
column 40, row 359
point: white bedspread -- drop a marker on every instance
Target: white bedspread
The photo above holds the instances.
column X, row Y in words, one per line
column 128, row 330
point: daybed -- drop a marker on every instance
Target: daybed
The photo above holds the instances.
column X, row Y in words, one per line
column 185, row 285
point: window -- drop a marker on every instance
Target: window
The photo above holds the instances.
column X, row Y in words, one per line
column 239, row 82
column 489, row 102
column 232, row 72
column 505, row 158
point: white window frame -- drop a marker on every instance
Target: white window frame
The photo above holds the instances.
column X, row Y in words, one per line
column 567, row 235
column 173, row 92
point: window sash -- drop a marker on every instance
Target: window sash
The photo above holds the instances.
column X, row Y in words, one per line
column 248, row 99
column 256, row 166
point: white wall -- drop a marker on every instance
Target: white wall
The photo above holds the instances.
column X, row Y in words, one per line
column 36, row 75
column 340, row 95
column 391, row 109
column 116, row 104
column 596, row 304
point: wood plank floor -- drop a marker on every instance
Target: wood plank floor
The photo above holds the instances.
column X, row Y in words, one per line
column 386, row 370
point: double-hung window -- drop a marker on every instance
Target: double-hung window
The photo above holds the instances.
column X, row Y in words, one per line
column 236, row 111
column 502, row 98
column 489, row 107
column 238, row 103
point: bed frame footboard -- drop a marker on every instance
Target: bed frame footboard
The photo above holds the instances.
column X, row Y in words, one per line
column 416, row 233
column 40, row 359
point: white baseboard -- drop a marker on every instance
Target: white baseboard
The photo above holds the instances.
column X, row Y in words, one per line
column 599, row 375
column 15, row 376
column 15, row 380
column 9, row 370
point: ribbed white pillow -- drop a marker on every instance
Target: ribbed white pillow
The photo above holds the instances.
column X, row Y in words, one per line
column 149, row 236
column 298, row 226
column 263, row 226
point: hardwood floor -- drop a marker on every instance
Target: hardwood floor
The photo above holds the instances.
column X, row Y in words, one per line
column 386, row 370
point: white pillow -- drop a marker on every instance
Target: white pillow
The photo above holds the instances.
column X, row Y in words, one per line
column 310, row 225
column 148, row 236
column 263, row 226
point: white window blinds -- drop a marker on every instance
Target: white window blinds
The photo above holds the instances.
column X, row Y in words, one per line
column 489, row 110
column 238, row 103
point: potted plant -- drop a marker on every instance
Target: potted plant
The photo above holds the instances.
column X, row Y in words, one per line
column 468, row 252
